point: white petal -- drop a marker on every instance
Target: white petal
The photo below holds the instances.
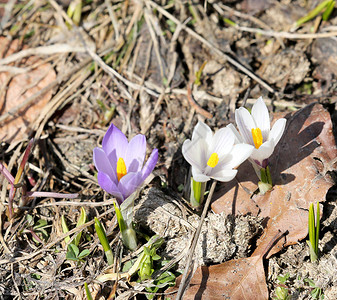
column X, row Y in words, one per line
column 260, row 115
column 277, row 130
column 224, row 175
column 222, row 142
column 245, row 123
column 238, row 137
column 202, row 131
column 264, row 152
column 238, row 155
column 198, row 176
column 195, row 152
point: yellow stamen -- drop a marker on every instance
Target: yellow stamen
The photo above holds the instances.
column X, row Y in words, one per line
column 121, row 168
column 257, row 137
column 213, row 160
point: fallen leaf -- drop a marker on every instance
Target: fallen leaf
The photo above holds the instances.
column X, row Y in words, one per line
column 18, row 88
column 236, row 279
column 298, row 165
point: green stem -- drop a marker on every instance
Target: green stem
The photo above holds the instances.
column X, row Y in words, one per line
column 266, row 183
column 197, row 192
column 269, row 176
column 129, row 236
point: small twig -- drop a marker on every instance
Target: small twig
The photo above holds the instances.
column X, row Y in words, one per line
column 195, row 240
column 287, row 35
column 113, row 19
column 195, row 105
column 43, row 50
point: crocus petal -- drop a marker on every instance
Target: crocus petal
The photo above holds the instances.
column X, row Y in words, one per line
column 224, row 175
column 264, row 152
column 202, row 131
column 260, row 115
column 245, row 123
column 135, row 153
column 222, row 142
column 129, row 183
column 150, row 164
column 114, row 144
column 102, row 164
column 109, row 186
column 277, row 130
column 239, row 153
column 198, row 176
column 238, row 137
column 195, row 152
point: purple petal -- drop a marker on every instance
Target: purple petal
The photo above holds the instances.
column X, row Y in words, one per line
column 129, row 183
column 135, row 154
column 109, row 186
column 114, row 144
column 150, row 164
column 102, row 164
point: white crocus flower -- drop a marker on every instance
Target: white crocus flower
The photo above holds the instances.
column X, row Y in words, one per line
column 214, row 156
column 255, row 130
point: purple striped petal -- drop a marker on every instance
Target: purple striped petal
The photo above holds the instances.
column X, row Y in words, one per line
column 135, row 154
column 102, row 164
column 114, row 144
column 109, row 186
column 150, row 164
column 129, row 183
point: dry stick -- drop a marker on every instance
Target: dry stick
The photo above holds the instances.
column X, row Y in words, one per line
column 195, row 105
column 287, row 35
column 195, row 240
column 113, row 18
column 213, row 47
column 43, row 50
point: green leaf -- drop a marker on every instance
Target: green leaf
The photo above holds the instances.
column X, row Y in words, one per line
column 40, row 223
column 281, row 293
column 84, row 253
column 74, row 249
column 101, row 235
column 65, row 228
column 72, row 252
column 313, row 13
column 317, row 228
column 82, row 219
column 87, row 291
column 29, row 219
column 328, row 11
column 283, row 279
column 120, row 220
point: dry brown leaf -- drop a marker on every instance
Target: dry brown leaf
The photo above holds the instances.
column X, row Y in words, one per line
column 298, row 166
column 17, row 89
column 236, row 279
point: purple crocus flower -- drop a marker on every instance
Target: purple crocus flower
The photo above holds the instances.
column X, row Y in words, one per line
column 120, row 163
